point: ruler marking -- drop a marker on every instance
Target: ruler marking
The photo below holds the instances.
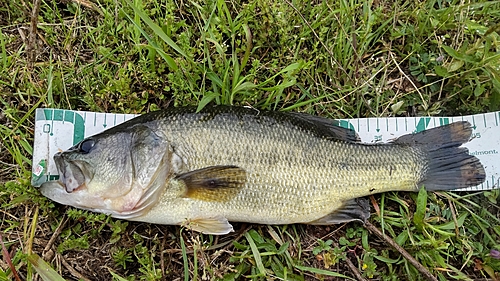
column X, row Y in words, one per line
column 95, row 117
column 496, row 118
column 484, row 119
column 52, row 122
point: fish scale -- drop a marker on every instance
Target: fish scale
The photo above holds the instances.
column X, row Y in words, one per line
column 312, row 183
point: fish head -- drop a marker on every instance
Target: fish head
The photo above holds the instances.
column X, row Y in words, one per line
column 114, row 173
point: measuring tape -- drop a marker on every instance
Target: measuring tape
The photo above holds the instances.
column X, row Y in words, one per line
column 58, row 129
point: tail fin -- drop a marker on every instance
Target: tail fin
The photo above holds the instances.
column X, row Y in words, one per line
column 450, row 166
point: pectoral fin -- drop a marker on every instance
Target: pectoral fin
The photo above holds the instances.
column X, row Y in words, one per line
column 216, row 183
column 215, row 226
column 353, row 210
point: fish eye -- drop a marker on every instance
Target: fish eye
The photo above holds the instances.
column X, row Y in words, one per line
column 86, row 145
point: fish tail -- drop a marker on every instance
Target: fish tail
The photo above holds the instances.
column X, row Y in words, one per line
column 449, row 165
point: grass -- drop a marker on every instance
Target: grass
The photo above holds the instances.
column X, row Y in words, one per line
column 337, row 59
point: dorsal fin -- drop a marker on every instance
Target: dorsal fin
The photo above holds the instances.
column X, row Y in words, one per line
column 322, row 127
column 328, row 127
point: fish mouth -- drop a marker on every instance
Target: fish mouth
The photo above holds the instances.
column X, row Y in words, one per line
column 73, row 177
column 72, row 174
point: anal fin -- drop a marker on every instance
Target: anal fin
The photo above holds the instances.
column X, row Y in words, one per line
column 353, row 210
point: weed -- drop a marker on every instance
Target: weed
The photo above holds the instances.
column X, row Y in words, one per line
column 145, row 257
column 122, row 256
column 118, row 227
column 73, row 240
column 322, row 246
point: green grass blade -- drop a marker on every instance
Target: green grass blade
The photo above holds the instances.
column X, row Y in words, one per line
column 256, row 255
column 322, row 272
column 304, row 103
column 215, row 78
column 248, row 50
column 168, row 59
column 43, row 269
column 3, row 50
column 184, row 257
column 419, row 216
column 451, row 224
column 157, row 30
column 207, row 98
column 116, row 276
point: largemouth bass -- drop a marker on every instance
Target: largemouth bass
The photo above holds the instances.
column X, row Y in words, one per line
column 225, row 164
